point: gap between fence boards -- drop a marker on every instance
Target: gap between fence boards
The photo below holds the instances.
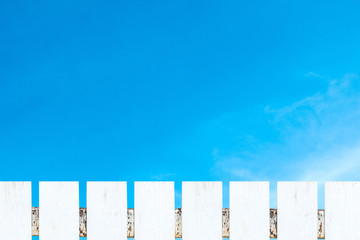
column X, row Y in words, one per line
column 178, row 225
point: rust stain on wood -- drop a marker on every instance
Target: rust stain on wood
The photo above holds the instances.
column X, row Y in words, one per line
column 178, row 223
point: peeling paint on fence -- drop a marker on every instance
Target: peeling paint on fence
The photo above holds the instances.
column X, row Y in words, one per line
column 35, row 221
column 178, row 223
column 82, row 222
column 321, row 224
column 130, row 223
column 225, row 223
column 273, row 223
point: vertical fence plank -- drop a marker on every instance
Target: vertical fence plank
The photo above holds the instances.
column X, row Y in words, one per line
column 342, row 209
column 59, row 211
column 106, row 211
column 15, row 210
column 297, row 210
column 154, row 211
column 249, row 214
column 202, row 210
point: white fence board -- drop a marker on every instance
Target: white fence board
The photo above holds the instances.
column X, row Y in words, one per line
column 202, row 216
column 106, row 211
column 202, row 210
column 15, row 210
column 59, row 211
column 249, row 215
column 342, row 206
column 154, row 211
column 297, row 210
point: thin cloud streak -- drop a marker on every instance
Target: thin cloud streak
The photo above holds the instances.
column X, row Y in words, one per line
column 318, row 138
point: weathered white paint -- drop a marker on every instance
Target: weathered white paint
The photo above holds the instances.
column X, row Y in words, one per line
column 106, row 210
column 15, row 210
column 59, row 210
column 297, row 210
column 342, row 206
column 154, row 211
column 249, row 215
column 201, row 210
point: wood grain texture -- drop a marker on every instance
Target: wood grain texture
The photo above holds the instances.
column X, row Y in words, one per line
column 15, row 210
column 154, row 211
column 297, row 210
column 59, row 210
column 106, row 210
column 249, row 215
column 201, row 210
column 342, row 206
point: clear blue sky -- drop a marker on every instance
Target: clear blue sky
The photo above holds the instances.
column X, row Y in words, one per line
column 179, row 90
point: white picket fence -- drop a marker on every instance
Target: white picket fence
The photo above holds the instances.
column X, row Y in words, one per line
column 201, row 215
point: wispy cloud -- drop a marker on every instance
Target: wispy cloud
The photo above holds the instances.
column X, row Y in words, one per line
column 315, row 138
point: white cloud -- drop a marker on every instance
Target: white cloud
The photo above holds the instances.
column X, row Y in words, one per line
column 317, row 138
column 343, row 164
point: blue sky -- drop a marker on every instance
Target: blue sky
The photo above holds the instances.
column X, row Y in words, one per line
column 179, row 90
